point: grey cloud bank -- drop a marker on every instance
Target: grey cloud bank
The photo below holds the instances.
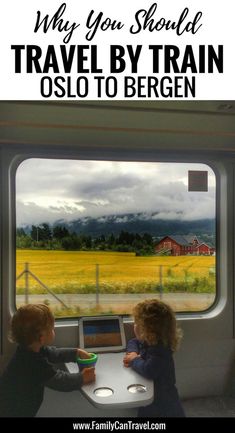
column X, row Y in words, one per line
column 49, row 190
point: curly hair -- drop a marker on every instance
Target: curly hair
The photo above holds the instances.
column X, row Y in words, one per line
column 157, row 323
column 29, row 322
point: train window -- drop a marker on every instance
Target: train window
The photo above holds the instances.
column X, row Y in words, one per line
column 95, row 237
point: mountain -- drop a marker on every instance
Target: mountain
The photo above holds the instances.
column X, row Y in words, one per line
column 139, row 223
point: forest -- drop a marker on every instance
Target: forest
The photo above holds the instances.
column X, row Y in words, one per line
column 60, row 238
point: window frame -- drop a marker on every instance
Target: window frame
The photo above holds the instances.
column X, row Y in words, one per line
column 16, row 156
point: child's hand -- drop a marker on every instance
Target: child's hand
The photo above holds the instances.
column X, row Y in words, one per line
column 129, row 357
column 83, row 354
column 88, row 375
column 126, row 361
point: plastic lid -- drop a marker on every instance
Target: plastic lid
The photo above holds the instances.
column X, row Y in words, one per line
column 88, row 361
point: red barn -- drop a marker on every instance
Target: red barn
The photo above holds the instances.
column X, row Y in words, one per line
column 179, row 245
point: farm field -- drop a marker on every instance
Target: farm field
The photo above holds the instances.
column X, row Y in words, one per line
column 74, row 273
column 71, row 269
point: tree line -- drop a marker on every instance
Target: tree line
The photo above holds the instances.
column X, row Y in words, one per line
column 60, row 238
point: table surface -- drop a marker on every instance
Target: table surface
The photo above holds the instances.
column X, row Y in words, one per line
column 117, row 380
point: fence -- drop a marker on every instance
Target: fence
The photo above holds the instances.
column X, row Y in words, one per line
column 26, row 273
column 112, row 279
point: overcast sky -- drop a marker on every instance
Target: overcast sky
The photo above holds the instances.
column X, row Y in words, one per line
column 49, row 190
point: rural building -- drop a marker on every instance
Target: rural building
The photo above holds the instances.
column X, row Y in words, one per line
column 179, row 245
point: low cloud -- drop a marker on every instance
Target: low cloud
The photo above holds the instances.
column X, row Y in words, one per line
column 50, row 190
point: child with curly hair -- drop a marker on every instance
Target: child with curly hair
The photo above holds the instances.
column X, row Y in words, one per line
column 150, row 354
column 31, row 368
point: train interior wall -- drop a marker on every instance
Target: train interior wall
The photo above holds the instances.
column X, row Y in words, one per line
column 200, row 131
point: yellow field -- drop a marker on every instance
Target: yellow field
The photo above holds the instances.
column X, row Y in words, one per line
column 65, row 271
